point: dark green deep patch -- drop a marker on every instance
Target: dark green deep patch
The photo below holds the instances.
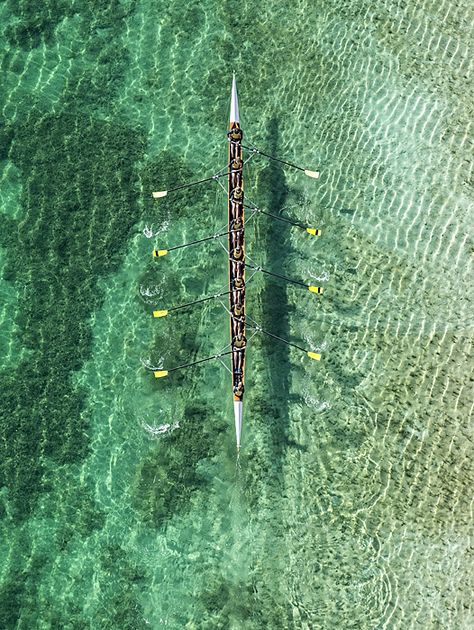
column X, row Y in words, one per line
column 91, row 181
column 77, row 172
column 168, row 477
column 35, row 23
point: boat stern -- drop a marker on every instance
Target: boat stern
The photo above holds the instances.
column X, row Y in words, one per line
column 238, row 414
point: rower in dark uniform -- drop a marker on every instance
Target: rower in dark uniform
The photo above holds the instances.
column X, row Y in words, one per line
column 237, row 194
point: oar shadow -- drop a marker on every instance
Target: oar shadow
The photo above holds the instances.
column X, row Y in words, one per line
column 272, row 193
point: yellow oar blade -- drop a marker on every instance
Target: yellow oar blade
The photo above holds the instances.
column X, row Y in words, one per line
column 313, row 174
column 314, row 355
column 314, row 231
column 160, row 373
column 315, row 289
column 160, row 313
column 161, row 193
column 159, row 252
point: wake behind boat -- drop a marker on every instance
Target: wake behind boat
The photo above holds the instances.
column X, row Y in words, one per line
column 237, row 260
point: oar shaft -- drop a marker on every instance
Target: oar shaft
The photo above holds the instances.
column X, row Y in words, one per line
column 201, row 181
column 186, row 365
column 275, row 216
column 277, row 275
column 201, row 240
column 209, row 297
column 288, row 343
column 275, row 159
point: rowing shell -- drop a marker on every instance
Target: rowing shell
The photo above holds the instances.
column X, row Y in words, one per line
column 236, row 260
column 236, row 254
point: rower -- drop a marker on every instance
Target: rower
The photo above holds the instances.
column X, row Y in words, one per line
column 239, row 283
column 237, row 224
column 240, row 342
column 235, row 134
column 237, row 253
column 237, row 193
column 238, row 310
column 236, row 164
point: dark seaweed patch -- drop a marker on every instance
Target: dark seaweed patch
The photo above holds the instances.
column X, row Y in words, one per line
column 77, row 172
column 97, row 86
column 168, row 477
column 121, row 608
column 231, row 601
column 35, row 22
column 241, row 604
column 11, row 596
column 6, row 137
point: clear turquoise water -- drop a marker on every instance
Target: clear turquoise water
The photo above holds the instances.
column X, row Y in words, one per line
column 351, row 504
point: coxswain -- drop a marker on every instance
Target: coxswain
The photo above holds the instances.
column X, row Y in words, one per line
column 235, row 134
column 238, row 390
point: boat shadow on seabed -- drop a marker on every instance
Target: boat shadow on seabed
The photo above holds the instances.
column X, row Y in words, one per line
column 272, row 190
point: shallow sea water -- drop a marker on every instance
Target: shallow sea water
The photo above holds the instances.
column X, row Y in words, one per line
column 351, row 503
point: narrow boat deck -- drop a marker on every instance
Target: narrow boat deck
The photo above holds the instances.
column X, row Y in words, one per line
column 236, row 243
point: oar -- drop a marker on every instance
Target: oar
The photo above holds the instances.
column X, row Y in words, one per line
column 163, row 373
column 310, row 287
column 312, row 355
column 163, row 193
column 164, row 252
column 313, row 174
column 177, row 308
column 310, row 230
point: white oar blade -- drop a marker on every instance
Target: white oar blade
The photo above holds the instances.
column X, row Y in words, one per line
column 161, row 193
column 313, row 174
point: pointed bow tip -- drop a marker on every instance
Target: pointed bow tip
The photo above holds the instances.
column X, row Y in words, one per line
column 234, row 102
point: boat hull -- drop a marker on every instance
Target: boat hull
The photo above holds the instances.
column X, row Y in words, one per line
column 236, row 243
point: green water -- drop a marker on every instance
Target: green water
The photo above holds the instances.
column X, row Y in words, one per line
column 351, row 504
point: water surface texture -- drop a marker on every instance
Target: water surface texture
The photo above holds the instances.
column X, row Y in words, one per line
column 351, row 503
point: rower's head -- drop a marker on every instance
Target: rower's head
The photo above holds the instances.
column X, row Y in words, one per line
column 237, row 224
column 237, row 193
column 237, row 252
column 239, row 389
column 236, row 164
column 238, row 310
column 239, row 283
column 240, row 341
column 235, row 134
